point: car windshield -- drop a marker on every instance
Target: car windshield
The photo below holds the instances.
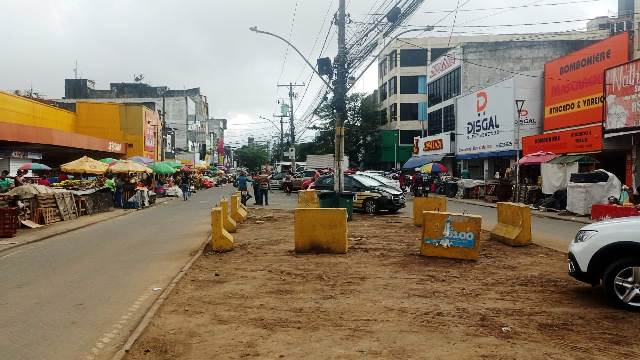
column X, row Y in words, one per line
column 367, row 181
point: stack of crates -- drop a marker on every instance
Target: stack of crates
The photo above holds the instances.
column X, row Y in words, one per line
column 8, row 222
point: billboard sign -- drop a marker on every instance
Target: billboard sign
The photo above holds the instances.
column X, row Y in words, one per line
column 587, row 139
column 487, row 118
column 149, row 139
column 443, row 65
column 573, row 88
column 622, row 96
column 432, row 145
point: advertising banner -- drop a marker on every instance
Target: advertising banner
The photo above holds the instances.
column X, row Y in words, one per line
column 149, row 139
column 587, row 139
column 432, row 145
column 573, row 88
column 622, row 96
column 487, row 119
column 443, row 65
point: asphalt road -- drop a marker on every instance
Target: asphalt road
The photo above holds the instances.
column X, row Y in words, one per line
column 79, row 295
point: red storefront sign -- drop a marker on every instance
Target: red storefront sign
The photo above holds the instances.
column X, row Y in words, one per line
column 583, row 140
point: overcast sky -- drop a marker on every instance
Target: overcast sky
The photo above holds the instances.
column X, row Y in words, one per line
column 207, row 44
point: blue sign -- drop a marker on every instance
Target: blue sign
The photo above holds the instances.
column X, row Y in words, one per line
column 452, row 238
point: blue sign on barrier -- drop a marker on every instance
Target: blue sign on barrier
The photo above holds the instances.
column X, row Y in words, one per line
column 452, row 238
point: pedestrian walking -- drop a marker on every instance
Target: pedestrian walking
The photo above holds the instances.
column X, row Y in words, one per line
column 183, row 183
column 256, row 189
column 287, row 183
column 263, row 181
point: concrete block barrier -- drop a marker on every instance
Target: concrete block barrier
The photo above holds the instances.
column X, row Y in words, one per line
column 320, row 231
column 221, row 240
column 429, row 203
column 228, row 223
column 451, row 235
column 514, row 224
column 237, row 212
column 242, row 206
column 308, row 199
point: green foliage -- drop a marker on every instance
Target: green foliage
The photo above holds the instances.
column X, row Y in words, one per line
column 252, row 157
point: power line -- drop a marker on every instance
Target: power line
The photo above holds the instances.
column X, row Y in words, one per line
column 512, row 7
column 455, row 17
column 286, row 51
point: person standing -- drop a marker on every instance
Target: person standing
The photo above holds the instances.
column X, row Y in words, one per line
column 263, row 181
column 256, row 189
column 6, row 183
column 288, row 182
column 417, row 183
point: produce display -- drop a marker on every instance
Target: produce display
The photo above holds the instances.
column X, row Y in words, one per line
column 80, row 184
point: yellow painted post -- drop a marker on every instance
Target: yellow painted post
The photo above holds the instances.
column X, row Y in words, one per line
column 429, row 203
column 514, row 224
column 228, row 223
column 320, row 230
column 308, row 199
column 242, row 206
column 221, row 240
column 237, row 213
column 451, row 235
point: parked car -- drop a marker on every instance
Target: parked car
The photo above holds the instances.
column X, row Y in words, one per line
column 371, row 196
column 302, row 177
column 381, row 178
column 275, row 181
column 608, row 253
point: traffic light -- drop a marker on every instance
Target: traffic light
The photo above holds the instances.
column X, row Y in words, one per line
column 325, row 67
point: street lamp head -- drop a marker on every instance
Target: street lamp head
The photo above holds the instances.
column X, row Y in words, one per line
column 254, row 28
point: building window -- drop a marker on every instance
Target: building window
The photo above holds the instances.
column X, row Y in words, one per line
column 422, row 111
column 445, row 88
column 409, row 85
column 393, row 112
column 407, row 136
column 393, row 60
column 437, row 52
column 383, row 92
column 382, row 68
column 448, row 119
column 408, row 111
column 393, row 86
column 413, row 57
column 434, row 124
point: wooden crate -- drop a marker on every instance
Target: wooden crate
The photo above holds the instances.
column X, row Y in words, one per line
column 8, row 222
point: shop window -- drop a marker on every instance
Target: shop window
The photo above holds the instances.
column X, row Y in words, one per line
column 434, row 124
column 413, row 57
column 408, row 111
column 407, row 136
column 448, row 119
column 393, row 86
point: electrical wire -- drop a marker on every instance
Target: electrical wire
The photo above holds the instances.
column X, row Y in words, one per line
column 286, row 51
column 513, row 7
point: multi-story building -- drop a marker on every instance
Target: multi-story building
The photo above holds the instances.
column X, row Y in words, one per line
column 187, row 132
column 420, row 78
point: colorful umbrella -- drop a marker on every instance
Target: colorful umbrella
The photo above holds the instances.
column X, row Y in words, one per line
column 127, row 166
column 433, row 168
column 108, row 160
column 162, row 169
column 85, row 165
column 141, row 160
column 173, row 164
column 185, row 169
column 35, row 167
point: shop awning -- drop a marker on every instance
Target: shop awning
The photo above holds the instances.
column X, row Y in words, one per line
column 537, row 158
column 510, row 153
column 568, row 159
column 418, row 161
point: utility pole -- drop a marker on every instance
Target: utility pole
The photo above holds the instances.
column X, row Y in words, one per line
column 339, row 96
column 292, row 129
column 281, row 134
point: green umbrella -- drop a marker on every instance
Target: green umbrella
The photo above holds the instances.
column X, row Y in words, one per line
column 108, row 160
column 162, row 168
column 172, row 164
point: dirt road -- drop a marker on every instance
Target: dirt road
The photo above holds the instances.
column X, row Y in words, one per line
column 382, row 300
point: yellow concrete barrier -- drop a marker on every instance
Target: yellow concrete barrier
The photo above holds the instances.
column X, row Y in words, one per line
column 450, row 235
column 514, row 224
column 308, row 199
column 242, row 206
column 429, row 203
column 237, row 212
column 321, row 231
column 221, row 240
column 228, row 223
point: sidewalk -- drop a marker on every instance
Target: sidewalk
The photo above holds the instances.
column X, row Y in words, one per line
column 28, row 236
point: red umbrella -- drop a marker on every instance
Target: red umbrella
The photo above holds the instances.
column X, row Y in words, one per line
column 537, row 158
column 186, row 169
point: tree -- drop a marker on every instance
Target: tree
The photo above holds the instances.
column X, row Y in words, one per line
column 360, row 126
column 252, row 157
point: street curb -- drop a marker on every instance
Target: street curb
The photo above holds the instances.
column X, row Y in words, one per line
column 62, row 232
column 153, row 309
column 538, row 214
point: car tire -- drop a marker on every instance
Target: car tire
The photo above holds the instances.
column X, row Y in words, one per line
column 370, row 207
column 621, row 284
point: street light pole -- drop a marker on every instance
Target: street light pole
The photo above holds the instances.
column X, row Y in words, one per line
column 339, row 97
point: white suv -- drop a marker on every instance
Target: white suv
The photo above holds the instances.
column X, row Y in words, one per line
column 608, row 252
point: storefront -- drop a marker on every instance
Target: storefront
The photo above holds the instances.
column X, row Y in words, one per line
column 437, row 148
column 489, row 125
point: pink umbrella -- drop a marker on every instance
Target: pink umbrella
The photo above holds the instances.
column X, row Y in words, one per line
column 537, row 158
